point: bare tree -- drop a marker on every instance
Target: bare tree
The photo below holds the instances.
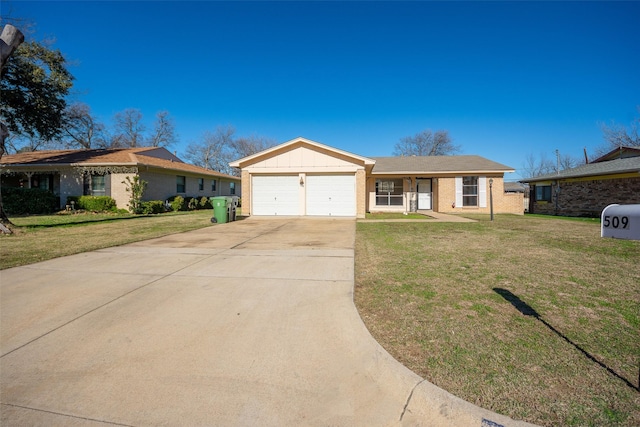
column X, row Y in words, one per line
column 217, row 149
column 616, row 135
column 247, row 146
column 214, row 151
column 82, row 129
column 543, row 165
column 164, row 133
column 426, row 143
column 128, row 129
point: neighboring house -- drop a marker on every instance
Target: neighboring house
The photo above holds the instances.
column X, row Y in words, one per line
column 586, row 190
column 303, row 177
column 518, row 187
column 102, row 172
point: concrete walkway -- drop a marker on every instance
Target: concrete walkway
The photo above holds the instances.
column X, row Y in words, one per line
column 430, row 216
column 241, row 324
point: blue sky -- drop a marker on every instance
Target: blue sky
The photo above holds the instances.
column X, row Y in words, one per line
column 506, row 79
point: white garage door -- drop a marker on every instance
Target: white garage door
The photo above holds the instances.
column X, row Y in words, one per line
column 333, row 195
column 275, row 195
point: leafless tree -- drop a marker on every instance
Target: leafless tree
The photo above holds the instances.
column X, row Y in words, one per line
column 128, row 129
column 82, row 129
column 214, row 151
column 543, row 165
column 217, row 149
column 247, row 146
column 616, row 135
column 164, row 133
column 426, row 143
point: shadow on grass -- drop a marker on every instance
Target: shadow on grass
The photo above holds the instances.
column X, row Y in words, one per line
column 527, row 310
column 83, row 222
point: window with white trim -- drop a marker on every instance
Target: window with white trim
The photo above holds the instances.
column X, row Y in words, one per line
column 389, row 192
column 470, row 191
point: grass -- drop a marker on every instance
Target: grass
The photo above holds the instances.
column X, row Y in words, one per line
column 537, row 318
column 42, row 237
column 533, row 317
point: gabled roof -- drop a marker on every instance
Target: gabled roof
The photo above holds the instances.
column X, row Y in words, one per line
column 610, row 167
column 142, row 156
column 619, row 153
column 294, row 142
column 437, row 164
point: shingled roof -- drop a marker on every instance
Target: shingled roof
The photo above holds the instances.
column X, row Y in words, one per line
column 436, row 164
column 143, row 156
column 611, row 167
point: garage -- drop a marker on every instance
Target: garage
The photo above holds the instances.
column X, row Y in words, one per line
column 276, row 195
column 331, row 195
column 304, row 178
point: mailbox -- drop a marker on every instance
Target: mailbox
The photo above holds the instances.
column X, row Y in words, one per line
column 621, row 222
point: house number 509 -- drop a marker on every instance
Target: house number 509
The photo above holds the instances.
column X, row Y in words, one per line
column 616, row 221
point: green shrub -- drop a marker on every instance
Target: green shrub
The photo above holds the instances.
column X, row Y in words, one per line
column 177, row 203
column 152, row 207
column 21, row 201
column 93, row 203
column 205, row 203
column 192, row 203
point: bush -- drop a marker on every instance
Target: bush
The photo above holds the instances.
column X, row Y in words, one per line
column 177, row 203
column 205, row 203
column 21, row 201
column 192, row 203
column 93, row 203
column 152, row 207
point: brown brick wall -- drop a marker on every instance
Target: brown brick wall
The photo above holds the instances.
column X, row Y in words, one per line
column 511, row 203
column 588, row 198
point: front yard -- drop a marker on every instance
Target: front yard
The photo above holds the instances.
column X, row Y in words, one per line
column 537, row 318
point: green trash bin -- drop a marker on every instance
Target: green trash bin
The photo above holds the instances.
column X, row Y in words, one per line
column 220, row 209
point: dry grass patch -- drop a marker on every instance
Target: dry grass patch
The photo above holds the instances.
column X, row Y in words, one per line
column 436, row 296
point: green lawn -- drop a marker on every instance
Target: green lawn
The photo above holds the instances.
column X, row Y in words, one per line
column 537, row 318
column 41, row 237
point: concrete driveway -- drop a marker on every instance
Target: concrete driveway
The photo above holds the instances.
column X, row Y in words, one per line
column 248, row 323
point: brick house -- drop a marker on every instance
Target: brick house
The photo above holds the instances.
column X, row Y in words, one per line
column 305, row 178
column 102, row 172
column 586, row 190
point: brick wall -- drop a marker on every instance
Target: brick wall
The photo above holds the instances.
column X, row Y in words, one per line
column 361, row 193
column 588, row 198
column 511, row 203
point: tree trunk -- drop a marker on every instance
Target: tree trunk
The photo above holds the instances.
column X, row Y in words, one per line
column 10, row 39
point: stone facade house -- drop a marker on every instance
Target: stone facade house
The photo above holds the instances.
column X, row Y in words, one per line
column 102, row 172
column 586, row 190
column 306, row 178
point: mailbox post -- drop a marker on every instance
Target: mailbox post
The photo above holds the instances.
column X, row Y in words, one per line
column 621, row 222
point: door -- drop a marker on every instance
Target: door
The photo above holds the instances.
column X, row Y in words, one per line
column 331, row 195
column 275, row 195
column 424, row 194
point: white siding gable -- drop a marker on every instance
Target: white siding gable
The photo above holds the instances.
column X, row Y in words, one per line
column 303, row 159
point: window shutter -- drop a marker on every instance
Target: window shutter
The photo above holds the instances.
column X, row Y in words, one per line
column 482, row 191
column 458, row 191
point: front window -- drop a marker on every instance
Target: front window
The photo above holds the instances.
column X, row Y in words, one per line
column 543, row 193
column 181, row 183
column 389, row 192
column 94, row 185
column 470, row 191
column 200, row 184
column 213, row 185
column 232, row 187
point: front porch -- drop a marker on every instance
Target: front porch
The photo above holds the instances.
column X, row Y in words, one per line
column 401, row 194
